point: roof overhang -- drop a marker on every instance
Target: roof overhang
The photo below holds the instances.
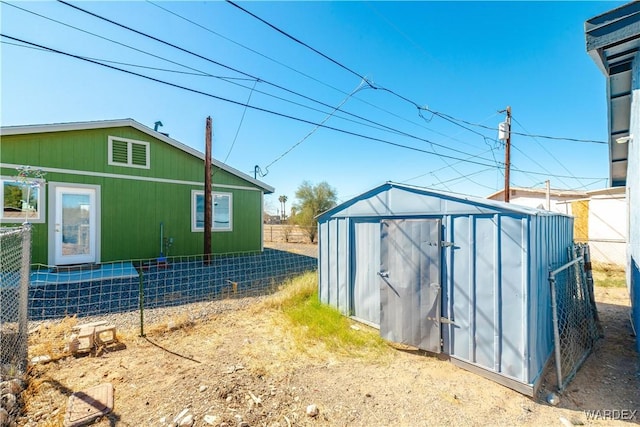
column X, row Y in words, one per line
column 613, row 41
column 538, row 192
column 479, row 201
column 105, row 124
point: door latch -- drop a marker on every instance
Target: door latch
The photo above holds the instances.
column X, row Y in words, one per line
column 383, row 274
column 447, row 321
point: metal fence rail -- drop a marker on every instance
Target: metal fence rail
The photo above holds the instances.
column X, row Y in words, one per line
column 575, row 318
column 15, row 257
column 126, row 286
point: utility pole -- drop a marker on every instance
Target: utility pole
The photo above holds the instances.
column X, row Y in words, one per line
column 507, row 157
column 547, row 185
column 207, row 193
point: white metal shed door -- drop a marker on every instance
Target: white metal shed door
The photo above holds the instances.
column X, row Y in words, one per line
column 410, row 282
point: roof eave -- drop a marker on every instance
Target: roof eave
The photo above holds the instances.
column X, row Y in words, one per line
column 105, row 124
column 473, row 199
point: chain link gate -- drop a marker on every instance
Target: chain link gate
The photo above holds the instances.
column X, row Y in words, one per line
column 15, row 259
column 576, row 326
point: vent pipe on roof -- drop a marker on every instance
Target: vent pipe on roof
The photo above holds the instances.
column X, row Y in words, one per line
column 156, row 125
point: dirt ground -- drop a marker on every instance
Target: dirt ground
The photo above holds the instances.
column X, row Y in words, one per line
column 239, row 365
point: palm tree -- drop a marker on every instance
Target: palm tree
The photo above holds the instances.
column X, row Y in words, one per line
column 283, row 202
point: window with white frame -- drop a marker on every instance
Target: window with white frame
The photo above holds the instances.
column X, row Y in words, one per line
column 22, row 201
column 222, row 212
column 129, row 152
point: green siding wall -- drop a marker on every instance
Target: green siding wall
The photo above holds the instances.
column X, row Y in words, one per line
column 132, row 210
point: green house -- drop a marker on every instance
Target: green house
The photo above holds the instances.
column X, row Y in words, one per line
column 118, row 190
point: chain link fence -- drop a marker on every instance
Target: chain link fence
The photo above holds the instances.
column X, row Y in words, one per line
column 15, row 257
column 112, row 289
column 575, row 318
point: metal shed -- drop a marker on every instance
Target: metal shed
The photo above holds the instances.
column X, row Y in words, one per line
column 452, row 274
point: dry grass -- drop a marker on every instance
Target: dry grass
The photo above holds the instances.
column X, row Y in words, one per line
column 50, row 338
column 320, row 330
column 608, row 275
column 182, row 322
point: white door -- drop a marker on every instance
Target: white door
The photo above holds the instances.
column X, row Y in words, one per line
column 75, row 225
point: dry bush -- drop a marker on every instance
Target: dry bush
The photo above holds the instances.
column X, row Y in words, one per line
column 50, row 338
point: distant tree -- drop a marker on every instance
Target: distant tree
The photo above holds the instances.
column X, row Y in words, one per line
column 312, row 201
column 13, row 197
column 283, row 203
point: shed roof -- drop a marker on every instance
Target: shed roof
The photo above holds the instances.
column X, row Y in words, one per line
column 105, row 124
column 475, row 204
column 613, row 40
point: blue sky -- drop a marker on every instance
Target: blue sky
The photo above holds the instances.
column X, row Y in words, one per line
column 462, row 60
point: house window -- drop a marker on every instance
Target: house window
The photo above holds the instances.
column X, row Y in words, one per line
column 129, row 153
column 22, row 201
column 222, row 212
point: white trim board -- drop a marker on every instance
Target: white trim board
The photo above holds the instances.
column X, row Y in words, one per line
column 130, row 177
column 106, row 124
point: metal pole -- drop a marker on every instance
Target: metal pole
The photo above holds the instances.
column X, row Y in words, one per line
column 507, row 158
column 567, row 265
column 141, row 302
column 23, row 317
column 556, row 331
column 548, row 190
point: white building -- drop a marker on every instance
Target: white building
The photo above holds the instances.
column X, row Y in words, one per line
column 601, row 216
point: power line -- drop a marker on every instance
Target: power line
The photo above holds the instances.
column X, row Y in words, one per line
column 245, row 47
column 550, row 154
column 297, row 71
column 117, row 62
column 449, row 180
column 341, row 65
column 199, row 72
column 196, row 91
column 373, row 86
column 530, row 135
column 257, row 108
column 244, row 112
column 121, row 44
column 361, row 77
column 313, row 130
column 203, row 74
column 536, row 162
column 257, row 78
column 379, row 126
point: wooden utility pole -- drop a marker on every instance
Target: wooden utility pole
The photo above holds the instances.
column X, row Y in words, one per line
column 507, row 158
column 207, row 193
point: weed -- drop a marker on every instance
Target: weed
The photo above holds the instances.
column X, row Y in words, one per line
column 609, row 276
column 316, row 323
column 50, row 338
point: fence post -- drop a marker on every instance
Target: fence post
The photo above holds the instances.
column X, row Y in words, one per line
column 592, row 299
column 556, row 330
column 25, row 272
column 141, row 294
